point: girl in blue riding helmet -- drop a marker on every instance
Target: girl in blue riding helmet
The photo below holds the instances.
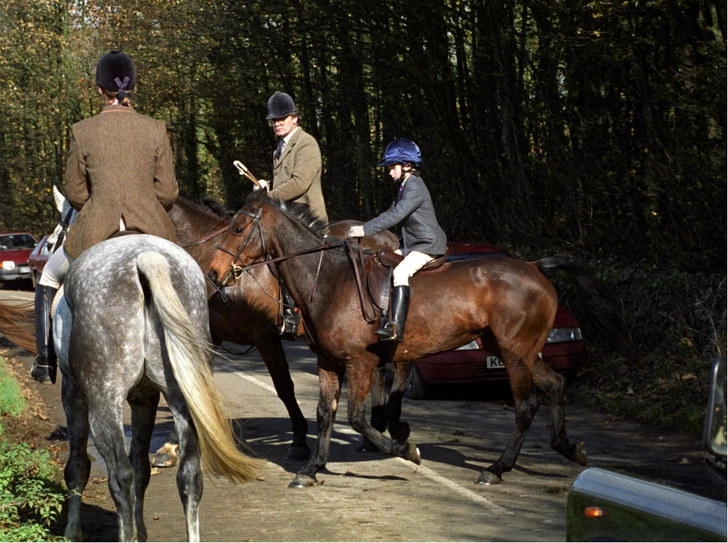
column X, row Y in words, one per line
column 421, row 238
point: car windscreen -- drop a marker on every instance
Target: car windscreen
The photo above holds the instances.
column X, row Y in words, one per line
column 16, row 241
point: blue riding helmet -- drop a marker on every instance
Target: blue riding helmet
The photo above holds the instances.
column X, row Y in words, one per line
column 401, row 151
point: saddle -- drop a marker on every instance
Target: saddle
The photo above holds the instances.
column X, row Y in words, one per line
column 379, row 275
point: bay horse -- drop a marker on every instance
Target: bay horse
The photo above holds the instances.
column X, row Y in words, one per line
column 509, row 302
column 245, row 313
column 133, row 323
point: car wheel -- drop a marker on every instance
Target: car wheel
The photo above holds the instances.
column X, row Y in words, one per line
column 416, row 386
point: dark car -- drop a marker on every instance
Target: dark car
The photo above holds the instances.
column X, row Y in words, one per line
column 563, row 351
column 38, row 259
column 658, row 503
column 15, row 249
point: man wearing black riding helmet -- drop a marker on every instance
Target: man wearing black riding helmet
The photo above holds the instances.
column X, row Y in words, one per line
column 297, row 168
column 119, row 176
column 422, row 239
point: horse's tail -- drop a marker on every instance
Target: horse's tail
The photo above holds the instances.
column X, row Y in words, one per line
column 190, row 356
column 15, row 324
column 601, row 306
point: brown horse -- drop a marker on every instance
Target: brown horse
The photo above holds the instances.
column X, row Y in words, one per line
column 507, row 301
column 245, row 313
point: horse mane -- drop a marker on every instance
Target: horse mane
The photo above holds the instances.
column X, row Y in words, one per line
column 299, row 212
column 208, row 204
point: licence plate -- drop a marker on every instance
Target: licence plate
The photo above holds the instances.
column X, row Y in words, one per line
column 24, row 269
column 494, row 363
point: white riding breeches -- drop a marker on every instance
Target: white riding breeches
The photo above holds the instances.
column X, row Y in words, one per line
column 55, row 270
column 413, row 262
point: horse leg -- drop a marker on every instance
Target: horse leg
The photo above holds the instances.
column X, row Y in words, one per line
column 78, row 466
column 143, row 414
column 331, row 376
column 398, row 429
column 189, row 472
column 526, row 405
column 379, row 409
column 271, row 350
column 358, row 389
column 107, row 426
column 552, row 385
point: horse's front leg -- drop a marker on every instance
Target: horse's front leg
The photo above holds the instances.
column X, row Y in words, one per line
column 271, row 350
column 331, row 376
column 143, row 414
column 399, row 430
column 379, row 408
column 358, row 389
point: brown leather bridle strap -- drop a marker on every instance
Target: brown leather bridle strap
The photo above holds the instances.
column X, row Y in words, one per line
column 208, row 237
column 359, row 285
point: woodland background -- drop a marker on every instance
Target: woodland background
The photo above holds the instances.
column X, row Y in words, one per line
column 592, row 128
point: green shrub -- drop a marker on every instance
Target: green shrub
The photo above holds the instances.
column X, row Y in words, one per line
column 11, row 400
column 31, row 495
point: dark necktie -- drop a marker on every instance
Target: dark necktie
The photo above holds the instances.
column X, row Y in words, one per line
column 279, row 149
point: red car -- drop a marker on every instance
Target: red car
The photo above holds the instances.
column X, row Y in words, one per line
column 563, row 351
column 15, row 249
column 38, row 259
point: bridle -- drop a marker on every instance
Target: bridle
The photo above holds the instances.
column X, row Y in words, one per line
column 236, row 270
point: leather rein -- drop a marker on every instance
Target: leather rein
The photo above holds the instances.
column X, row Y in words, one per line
column 236, row 271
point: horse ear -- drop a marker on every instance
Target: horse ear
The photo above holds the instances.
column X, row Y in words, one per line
column 59, row 199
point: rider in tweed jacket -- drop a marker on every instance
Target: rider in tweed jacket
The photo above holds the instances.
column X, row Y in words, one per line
column 119, row 176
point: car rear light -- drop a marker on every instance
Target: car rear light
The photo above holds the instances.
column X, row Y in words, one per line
column 561, row 335
column 473, row 345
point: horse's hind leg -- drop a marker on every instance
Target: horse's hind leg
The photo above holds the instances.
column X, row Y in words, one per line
column 143, row 414
column 107, row 425
column 526, row 406
column 552, row 386
column 189, row 471
column 78, row 466
column 271, row 350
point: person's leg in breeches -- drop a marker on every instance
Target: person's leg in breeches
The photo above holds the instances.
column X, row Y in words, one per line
column 45, row 364
column 401, row 293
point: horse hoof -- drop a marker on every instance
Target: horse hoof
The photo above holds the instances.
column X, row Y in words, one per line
column 413, row 454
column 488, row 478
column 302, row 481
column 166, row 456
column 298, row 453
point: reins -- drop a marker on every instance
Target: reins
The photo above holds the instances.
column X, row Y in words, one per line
column 237, row 270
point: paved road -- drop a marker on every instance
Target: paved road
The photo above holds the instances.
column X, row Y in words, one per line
column 370, row 497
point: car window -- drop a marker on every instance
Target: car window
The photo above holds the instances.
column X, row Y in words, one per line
column 16, row 241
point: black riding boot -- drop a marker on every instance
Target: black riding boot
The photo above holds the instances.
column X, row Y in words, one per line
column 288, row 329
column 45, row 364
column 394, row 329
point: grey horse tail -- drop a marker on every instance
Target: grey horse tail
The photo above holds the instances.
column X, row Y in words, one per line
column 600, row 305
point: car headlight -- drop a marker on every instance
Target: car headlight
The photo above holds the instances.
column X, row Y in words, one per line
column 561, row 335
column 8, row 264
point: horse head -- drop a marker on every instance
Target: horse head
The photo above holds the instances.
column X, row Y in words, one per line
column 241, row 244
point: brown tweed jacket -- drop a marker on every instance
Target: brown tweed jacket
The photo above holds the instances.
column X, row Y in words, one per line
column 297, row 173
column 119, row 165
